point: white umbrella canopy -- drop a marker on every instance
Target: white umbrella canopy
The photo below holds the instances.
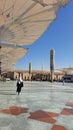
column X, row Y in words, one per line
column 24, row 21
column 4, row 49
column 8, row 62
column 11, row 55
column 11, row 51
column 5, row 67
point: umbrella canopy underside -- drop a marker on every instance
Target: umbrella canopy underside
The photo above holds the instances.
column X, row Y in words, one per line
column 22, row 22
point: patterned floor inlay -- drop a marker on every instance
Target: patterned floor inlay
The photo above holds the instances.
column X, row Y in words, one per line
column 43, row 116
column 70, row 103
column 67, row 111
column 52, row 114
column 57, row 127
column 14, row 110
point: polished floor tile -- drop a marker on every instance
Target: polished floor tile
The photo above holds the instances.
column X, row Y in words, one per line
column 14, row 110
column 69, row 103
column 42, row 116
column 40, row 106
column 67, row 111
column 56, row 127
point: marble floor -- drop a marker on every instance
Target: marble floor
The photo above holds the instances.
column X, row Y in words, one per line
column 40, row 106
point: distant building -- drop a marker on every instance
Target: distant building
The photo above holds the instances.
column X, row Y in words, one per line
column 35, row 75
column 67, row 78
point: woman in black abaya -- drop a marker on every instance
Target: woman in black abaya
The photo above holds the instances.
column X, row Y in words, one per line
column 19, row 85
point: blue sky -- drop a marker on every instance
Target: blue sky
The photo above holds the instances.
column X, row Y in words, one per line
column 58, row 36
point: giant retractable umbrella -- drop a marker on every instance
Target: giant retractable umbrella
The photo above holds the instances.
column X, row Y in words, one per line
column 9, row 55
column 24, row 21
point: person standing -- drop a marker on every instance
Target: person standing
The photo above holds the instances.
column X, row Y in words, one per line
column 19, row 85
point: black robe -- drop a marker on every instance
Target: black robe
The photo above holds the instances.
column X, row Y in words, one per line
column 19, row 86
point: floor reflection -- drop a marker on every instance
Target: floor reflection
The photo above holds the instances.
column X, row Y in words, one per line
column 15, row 110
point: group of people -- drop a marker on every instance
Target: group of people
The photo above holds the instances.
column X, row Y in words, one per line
column 19, row 85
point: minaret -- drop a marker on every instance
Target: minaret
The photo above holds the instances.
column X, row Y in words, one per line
column 30, row 67
column 30, row 70
column 52, row 53
column 42, row 67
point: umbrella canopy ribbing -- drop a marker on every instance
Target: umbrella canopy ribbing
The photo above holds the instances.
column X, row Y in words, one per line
column 24, row 21
column 9, row 55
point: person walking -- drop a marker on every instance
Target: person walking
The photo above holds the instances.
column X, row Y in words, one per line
column 19, row 85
